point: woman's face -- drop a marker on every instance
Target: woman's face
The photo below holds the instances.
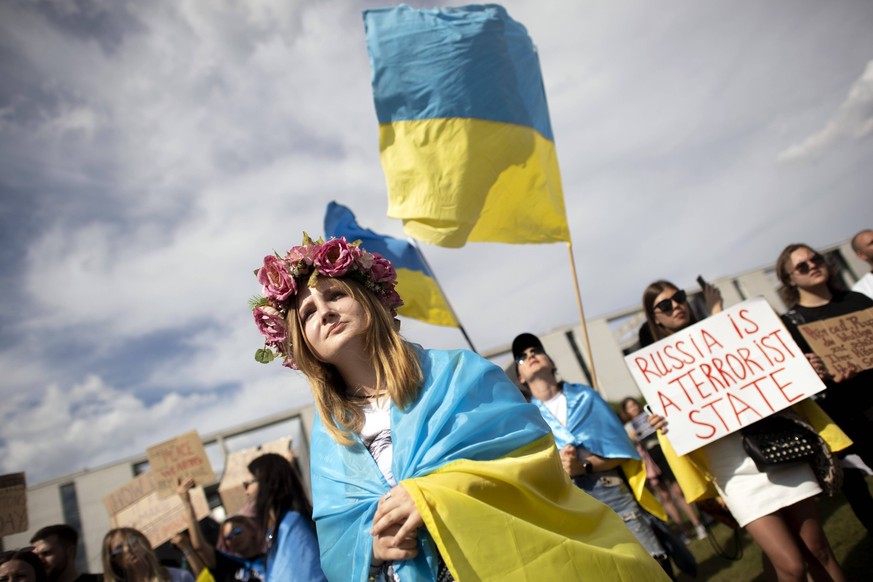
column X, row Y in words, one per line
column 128, row 552
column 17, row 571
column 332, row 320
column 669, row 312
column 807, row 268
column 239, row 538
column 632, row 408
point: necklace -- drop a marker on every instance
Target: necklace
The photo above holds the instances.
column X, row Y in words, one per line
column 360, row 392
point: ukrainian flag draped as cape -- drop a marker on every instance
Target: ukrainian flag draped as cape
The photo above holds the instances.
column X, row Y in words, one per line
column 592, row 424
column 485, row 475
column 422, row 298
column 464, row 132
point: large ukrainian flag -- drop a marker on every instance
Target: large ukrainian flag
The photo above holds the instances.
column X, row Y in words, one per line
column 421, row 295
column 464, row 132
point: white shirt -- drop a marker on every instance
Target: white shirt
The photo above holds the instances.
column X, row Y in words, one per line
column 376, row 434
column 864, row 285
column 557, row 405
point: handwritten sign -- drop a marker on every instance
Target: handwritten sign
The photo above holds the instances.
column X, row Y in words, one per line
column 231, row 490
column 13, row 504
column 183, row 456
column 137, row 504
column 723, row 373
column 842, row 342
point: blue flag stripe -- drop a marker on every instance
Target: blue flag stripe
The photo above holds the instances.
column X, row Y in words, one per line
column 471, row 62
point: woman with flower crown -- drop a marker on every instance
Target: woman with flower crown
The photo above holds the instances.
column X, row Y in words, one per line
column 426, row 465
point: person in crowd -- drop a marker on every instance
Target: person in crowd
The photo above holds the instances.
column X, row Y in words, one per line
column 239, row 554
column 284, row 514
column 862, row 244
column 671, row 495
column 813, row 291
column 56, row 546
column 775, row 506
column 21, row 566
column 128, row 557
column 426, row 465
column 592, row 443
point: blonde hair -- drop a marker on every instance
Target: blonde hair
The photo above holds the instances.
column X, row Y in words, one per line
column 395, row 360
column 133, row 538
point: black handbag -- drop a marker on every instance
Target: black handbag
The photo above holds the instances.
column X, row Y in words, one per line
column 776, row 440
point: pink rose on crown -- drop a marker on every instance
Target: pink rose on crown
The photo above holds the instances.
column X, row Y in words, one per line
column 271, row 324
column 382, row 270
column 335, row 257
column 301, row 253
column 365, row 261
column 276, row 279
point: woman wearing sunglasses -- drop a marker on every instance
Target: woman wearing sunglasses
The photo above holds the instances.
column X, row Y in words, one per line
column 128, row 557
column 239, row 554
column 812, row 290
column 776, row 506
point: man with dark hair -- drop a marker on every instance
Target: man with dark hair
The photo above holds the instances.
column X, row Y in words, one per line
column 56, row 546
column 862, row 244
column 591, row 440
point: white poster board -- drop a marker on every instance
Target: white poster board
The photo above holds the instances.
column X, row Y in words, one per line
column 723, row 373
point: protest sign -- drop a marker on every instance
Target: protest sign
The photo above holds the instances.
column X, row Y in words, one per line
column 842, row 342
column 723, row 373
column 137, row 504
column 177, row 458
column 13, row 504
column 231, row 489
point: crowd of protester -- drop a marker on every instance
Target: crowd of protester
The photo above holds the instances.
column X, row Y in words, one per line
column 433, row 465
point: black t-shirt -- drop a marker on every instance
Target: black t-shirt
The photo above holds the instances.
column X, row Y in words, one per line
column 89, row 578
column 849, row 403
column 233, row 569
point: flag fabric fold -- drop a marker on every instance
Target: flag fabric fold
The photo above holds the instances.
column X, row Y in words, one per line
column 421, row 295
column 464, row 133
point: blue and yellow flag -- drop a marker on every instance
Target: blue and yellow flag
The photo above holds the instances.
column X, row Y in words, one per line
column 464, row 132
column 415, row 283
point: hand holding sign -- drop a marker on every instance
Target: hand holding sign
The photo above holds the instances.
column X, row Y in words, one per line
column 723, row 373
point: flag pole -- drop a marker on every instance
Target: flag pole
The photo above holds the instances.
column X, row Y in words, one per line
column 588, row 353
column 414, row 244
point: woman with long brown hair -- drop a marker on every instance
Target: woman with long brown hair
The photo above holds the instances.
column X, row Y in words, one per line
column 128, row 557
column 775, row 506
column 426, row 464
column 812, row 291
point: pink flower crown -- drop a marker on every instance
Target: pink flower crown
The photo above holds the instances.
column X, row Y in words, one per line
column 281, row 277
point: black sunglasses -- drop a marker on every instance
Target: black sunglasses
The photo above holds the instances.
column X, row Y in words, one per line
column 666, row 306
column 806, row 266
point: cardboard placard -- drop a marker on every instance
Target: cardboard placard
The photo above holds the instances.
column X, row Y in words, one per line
column 137, row 504
column 842, row 342
column 183, row 456
column 233, row 494
column 13, row 504
column 723, row 373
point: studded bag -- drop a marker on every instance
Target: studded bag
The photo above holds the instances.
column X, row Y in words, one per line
column 776, row 440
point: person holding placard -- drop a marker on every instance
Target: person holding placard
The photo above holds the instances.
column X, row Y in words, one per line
column 775, row 506
column 671, row 496
column 426, row 464
column 284, row 514
column 244, row 558
column 813, row 291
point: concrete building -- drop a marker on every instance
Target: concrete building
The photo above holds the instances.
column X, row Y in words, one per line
column 77, row 499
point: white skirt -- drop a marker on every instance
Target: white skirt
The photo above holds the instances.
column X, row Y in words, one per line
column 750, row 493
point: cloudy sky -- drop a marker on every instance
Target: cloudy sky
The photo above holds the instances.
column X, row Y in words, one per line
column 152, row 152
